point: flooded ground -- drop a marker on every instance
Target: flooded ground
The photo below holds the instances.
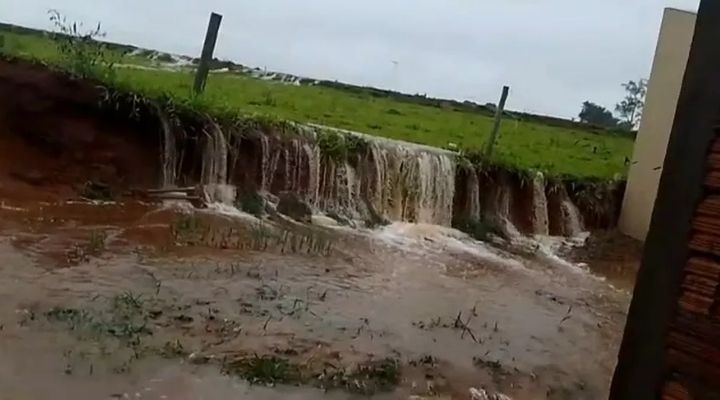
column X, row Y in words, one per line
column 102, row 301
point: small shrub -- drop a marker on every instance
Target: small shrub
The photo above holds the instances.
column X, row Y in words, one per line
column 173, row 349
column 269, row 99
column 187, row 227
column 477, row 229
column 80, row 52
column 252, row 203
column 476, row 157
column 356, row 145
column 265, row 370
column 96, row 191
column 96, row 245
column 380, row 375
column 127, row 303
column 332, row 145
column 73, row 317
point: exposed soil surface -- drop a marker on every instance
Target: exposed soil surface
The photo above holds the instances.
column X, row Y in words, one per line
column 610, row 254
column 53, row 139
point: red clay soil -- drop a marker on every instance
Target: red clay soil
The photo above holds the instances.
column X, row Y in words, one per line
column 610, row 254
column 53, row 138
column 521, row 205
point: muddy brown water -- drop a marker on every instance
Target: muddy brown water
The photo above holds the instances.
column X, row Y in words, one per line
column 454, row 313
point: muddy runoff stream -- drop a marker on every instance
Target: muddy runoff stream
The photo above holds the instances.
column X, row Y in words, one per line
column 144, row 301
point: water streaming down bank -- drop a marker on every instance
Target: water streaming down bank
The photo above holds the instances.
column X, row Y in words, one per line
column 540, row 218
column 570, row 217
column 410, row 183
column 381, row 180
column 169, row 151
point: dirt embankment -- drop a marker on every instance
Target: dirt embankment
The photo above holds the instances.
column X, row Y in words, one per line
column 53, row 138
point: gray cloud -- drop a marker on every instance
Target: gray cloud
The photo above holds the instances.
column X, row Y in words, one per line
column 555, row 54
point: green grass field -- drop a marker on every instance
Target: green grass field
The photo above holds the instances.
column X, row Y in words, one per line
column 523, row 145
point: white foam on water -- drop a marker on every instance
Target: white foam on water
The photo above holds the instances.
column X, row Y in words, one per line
column 94, row 202
column 182, row 206
column 427, row 238
column 548, row 247
column 230, row 211
column 3, row 206
column 220, row 193
column 323, row 220
column 218, row 208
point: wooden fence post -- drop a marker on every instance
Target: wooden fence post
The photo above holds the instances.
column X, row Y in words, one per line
column 496, row 125
column 207, row 52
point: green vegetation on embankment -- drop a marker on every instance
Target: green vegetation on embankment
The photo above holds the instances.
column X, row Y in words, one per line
column 568, row 151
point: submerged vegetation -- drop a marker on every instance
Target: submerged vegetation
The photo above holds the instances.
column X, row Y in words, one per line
column 525, row 143
column 128, row 327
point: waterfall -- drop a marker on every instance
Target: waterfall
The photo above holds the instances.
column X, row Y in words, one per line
column 376, row 176
column 473, row 192
column 572, row 220
column 540, row 218
column 437, row 188
column 407, row 183
column 313, row 170
column 215, row 156
column 383, row 186
column 215, row 168
column 499, row 212
column 346, row 191
column 169, row 157
column 293, row 167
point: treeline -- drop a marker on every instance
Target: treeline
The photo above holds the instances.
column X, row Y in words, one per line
column 629, row 110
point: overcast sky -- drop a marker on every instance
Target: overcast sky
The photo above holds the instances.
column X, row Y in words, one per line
column 554, row 54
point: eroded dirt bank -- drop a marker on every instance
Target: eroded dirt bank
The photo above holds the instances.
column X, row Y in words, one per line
column 138, row 299
column 57, row 133
column 53, row 139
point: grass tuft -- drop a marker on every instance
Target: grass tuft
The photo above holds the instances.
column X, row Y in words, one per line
column 265, row 370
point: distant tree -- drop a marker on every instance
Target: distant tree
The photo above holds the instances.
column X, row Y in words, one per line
column 630, row 109
column 592, row 113
column 626, row 126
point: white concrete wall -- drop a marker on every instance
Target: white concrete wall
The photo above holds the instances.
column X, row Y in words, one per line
column 664, row 85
